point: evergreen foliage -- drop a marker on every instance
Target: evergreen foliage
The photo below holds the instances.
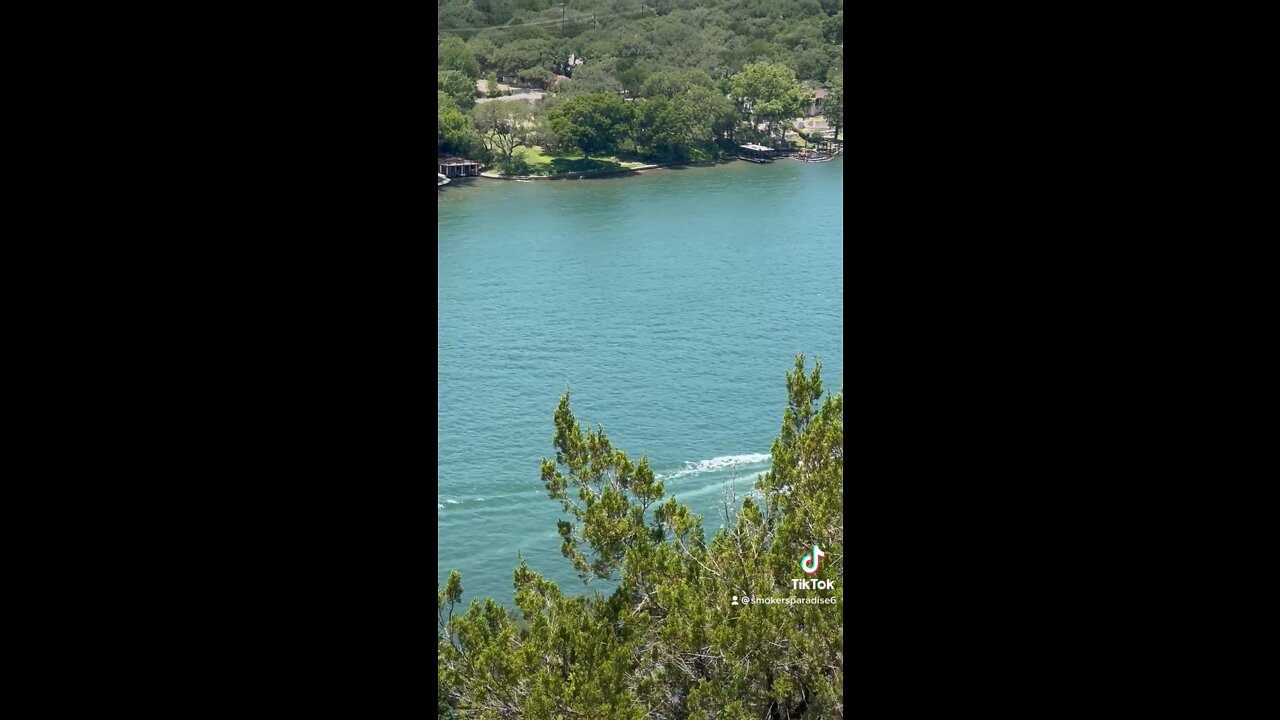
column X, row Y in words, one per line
column 668, row 642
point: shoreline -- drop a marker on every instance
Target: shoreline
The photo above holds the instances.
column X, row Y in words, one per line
column 588, row 174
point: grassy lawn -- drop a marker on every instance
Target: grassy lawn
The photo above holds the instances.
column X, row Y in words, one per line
column 539, row 162
column 542, row 163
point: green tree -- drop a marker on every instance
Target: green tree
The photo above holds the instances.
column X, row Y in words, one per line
column 504, row 125
column 833, row 28
column 453, row 54
column 812, row 63
column 595, row 123
column 674, row 83
column 770, row 94
column 535, row 76
column 454, row 132
column 833, row 108
column 491, row 85
column 668, row 642
column 524, row 54
column 665, row 128
column 717, row 117
column 597, row 77
column 460, row 88
column 483, row 50
column 713, row 115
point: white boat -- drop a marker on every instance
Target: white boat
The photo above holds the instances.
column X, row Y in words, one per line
column 441, row 180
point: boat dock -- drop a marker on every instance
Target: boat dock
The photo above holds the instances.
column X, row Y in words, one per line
column 458, row 167
column 755, row 153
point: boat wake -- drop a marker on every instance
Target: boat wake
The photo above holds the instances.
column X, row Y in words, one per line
column 725, row 462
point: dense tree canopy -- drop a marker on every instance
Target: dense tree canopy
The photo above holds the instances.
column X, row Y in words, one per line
column 596, row 123
column 525, row 54
column 718, row 37
column 669, row 642
column 455, row 134
column 769, row 93
column 767, row 55
column 675, row 83
column 454, row 54
column 598, row 77
column 833, row 109
column 666, row 128
column 458, row 87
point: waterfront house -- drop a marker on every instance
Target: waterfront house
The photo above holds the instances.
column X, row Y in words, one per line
column 815, row 105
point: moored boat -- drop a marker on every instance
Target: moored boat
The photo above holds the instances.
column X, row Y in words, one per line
column 755, row 153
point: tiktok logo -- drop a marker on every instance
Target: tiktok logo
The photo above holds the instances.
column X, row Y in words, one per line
column 809, row 563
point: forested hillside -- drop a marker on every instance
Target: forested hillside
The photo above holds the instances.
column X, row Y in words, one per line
column 673, row 62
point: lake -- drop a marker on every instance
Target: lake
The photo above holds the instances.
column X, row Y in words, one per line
column 671, row 303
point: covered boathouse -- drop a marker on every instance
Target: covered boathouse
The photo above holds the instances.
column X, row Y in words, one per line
column 458, row 167
column 755, row 153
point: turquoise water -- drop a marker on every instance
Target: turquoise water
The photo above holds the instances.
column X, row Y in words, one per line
column 671, row 303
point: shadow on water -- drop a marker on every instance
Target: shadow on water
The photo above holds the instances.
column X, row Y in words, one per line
column 700, row 164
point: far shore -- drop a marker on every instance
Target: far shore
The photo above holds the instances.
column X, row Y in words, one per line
column 618, row 168
column 588, row 174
